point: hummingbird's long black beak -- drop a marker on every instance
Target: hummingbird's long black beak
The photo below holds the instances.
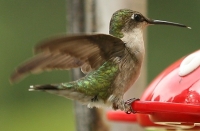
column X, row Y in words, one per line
column 160, row 22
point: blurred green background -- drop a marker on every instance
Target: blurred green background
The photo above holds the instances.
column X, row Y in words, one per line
column 23, row 23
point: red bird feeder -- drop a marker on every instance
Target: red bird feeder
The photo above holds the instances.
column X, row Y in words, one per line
column 172, row 100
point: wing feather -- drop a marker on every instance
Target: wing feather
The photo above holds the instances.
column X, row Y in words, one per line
column 85, row 51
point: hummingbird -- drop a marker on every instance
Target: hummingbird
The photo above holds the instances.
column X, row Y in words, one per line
column 111, row 62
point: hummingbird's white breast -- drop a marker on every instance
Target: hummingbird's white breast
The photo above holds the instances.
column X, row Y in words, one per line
column 131, row 62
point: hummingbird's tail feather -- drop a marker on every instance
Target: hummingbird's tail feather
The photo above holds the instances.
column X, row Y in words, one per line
column 69, row 92
column 43, row 87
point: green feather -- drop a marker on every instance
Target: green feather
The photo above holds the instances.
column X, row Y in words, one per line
column 97, row 83
column 118, row 21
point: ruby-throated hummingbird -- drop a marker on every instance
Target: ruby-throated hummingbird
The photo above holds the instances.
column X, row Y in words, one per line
column 112, row 62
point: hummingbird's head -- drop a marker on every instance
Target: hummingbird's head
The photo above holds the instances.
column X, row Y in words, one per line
column 126, row 20
column 123, row 20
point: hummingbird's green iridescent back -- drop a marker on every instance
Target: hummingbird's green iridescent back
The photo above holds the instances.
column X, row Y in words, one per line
column 97, row 83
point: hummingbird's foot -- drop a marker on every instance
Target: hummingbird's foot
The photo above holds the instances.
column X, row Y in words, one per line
column 94, row 99
column 128, row 106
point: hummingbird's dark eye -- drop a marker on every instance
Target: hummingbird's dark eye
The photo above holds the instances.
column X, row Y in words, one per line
column 138, row 17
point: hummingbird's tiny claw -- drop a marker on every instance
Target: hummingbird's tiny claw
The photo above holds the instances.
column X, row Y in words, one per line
column 129, row 111
column 129, row 103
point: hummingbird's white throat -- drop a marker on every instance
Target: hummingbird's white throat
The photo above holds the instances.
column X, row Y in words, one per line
column 133, row 38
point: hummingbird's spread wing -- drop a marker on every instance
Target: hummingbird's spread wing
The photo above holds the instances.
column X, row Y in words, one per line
column 85, row 51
